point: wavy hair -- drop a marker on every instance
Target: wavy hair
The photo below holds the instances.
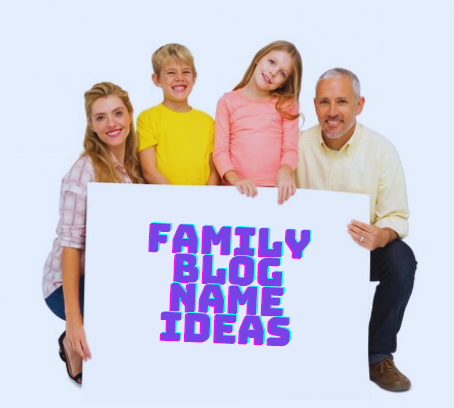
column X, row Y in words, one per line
column 289, row 93
column 99, row 153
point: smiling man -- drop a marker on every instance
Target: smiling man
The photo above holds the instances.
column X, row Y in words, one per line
column 340, row 154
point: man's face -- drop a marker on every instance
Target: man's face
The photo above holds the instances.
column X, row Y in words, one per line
column 336, row 106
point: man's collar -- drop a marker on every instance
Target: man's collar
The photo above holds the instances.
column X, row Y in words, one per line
column 347, row 147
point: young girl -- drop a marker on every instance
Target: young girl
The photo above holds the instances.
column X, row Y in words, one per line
column 110, row 155
column 256, row 128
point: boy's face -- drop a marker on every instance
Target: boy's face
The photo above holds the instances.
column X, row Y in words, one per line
column 176, row 81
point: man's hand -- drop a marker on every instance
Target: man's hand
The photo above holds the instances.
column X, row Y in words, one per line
column 370, row 236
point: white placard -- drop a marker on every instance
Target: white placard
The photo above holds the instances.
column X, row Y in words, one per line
column 306, row 328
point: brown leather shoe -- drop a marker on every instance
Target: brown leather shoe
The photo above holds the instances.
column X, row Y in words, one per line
column 386, row 375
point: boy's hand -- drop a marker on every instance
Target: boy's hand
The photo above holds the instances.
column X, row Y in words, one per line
column 285, row 184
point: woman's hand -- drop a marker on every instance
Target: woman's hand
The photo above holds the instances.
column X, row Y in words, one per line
column 76, row 339
column 285, row 184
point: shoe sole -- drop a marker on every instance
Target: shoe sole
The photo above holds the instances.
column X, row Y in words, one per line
column 388, row 389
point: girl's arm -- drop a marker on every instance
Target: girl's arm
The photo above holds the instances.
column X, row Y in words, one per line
column 221, row 154
column 149, row 167
column 214, row 179
column 289, row 160
column 285, row 183
column 75, row 332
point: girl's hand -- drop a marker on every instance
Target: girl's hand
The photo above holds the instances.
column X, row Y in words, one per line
column 285, row 184
column 75, row 336
column 246, row 187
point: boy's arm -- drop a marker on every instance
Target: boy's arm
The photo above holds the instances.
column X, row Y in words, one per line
column 149, row 167
column 214, row 179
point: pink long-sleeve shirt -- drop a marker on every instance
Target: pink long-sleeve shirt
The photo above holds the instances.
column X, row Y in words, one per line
column 253, row 139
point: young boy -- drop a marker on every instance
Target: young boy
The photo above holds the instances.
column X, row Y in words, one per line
column 176, row 141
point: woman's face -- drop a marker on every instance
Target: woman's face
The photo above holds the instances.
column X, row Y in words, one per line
column 111, row 121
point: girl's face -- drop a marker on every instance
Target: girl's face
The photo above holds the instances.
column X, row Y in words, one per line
column 273, row 70
column 111, row 121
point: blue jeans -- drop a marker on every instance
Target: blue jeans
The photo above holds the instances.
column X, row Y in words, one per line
column 56, row 300
column 394, row 267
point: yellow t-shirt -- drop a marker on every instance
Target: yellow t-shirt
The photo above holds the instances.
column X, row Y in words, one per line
column 183, row 142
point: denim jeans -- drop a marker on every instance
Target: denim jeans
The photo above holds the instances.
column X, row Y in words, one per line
column 56, row 300
column 394, row 267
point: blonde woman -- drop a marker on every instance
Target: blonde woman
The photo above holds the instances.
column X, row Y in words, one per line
column 110, row 155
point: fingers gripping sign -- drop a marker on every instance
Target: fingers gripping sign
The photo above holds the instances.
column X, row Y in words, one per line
column 285, row 183
column 369, row 236
column 246, row 187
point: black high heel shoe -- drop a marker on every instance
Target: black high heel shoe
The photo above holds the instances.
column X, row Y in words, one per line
column 78, row 377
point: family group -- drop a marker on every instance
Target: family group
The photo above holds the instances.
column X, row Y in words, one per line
column 253, row 142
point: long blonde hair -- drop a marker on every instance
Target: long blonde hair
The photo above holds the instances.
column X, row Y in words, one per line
column 289, row 93
column 100, row 155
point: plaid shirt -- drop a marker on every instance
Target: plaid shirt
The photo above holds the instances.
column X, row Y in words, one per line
column 71, row 227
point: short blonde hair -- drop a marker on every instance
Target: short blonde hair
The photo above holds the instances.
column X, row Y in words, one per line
column 171, row 52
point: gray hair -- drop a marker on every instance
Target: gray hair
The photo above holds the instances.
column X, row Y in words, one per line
column 337, row 72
